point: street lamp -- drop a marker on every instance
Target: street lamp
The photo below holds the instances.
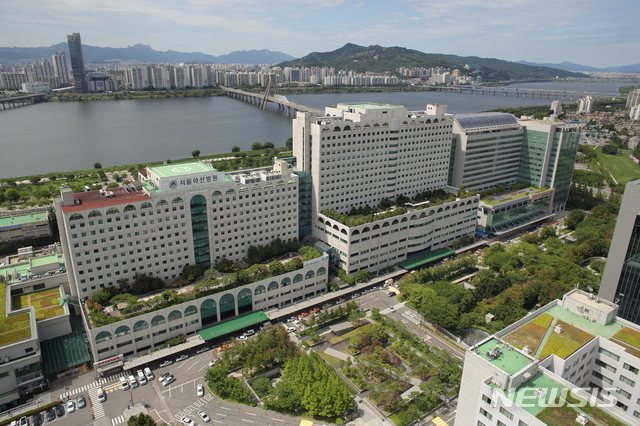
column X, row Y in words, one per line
column 131, row 393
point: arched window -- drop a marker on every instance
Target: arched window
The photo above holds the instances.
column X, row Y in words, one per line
column 146, row 206
column 122, row 331
column 309, row 274
column 356, row 127
column 245, row 301
column 344, row 231
column 414, row 217
column 385, row 224
column 320, row 220
column 337, row 129
column 243, row 189
column 395, row 222
column 174, row 315
column 297, row 278
column 227, row 306
column 285, row 282
column 113, row 210
column 103, row 336
column 376, row 226
column 268, row 185
column 280, row 183
column 346, row 128
column 365, row 229
column 321, row 271
column 259, row 290
column 367, row 126
column 376, row 125
column 273, row 286
column 355, row 232
column 76, row 216
column 140, row 325
column 129, row 208
column 177, row 200
column 404, row 219
column 230, row 191
column 191, row 310
column 157, row 320
column 256, row 187
column 336, row 227
column 216, row 194
column 95, row 213
column 162, row 203
column 208, row 312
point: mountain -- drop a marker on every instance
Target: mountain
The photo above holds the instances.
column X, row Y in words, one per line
column 570, row 66
column 141, row 53
column 379, row 59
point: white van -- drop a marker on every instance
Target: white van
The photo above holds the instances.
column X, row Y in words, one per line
column 141, row 378
column 124, row 385
column 250, row 332
column 148, row 373
column 133, row 382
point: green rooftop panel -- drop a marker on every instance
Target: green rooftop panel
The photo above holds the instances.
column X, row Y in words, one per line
column 233, row 325
column 173, row 170
column 425, row 258
column 15, row 221
column 508, row 361
column 13, row 328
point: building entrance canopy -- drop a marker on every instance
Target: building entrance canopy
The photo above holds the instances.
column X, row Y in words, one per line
column 233, row 325
column 425, row 258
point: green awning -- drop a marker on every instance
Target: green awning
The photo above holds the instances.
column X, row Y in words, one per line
column 233, row 325
column 425, row 258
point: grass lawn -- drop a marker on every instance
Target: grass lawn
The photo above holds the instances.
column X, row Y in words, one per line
column 530, row 334
column 14, row 328
column 628, row 338
column 45, row 303
column 331, row 360
column 563, row 345
column 561, row 416
column 622, row 168
column 344, row 337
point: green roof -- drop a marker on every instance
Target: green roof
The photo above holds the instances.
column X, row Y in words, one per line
column 180, row 169
column 70, row 350
column 14, row 221
column 45, row 260
column 425, row 258
column 45, row 303
column 233, row 325
column 13, row 328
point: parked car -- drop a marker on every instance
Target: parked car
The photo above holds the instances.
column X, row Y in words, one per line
column 202, row 349
column 164, row 376
column 212, row 363
column 168, row 380
column 204, row 416
column 50, row 415
column 36, row 419
column 166, row 363
column 24, row 421
column 200, row 390
column 102, row 396
column 188, row 421
column 391, row 308
column 148, row 373
column 141, row 378
column 124, row 385
column 339, row 301
column 71, row 406
column 291, row 329
column 81, row 402
column 182, row 357
column 59, row 410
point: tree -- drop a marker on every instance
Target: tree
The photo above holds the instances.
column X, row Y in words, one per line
column 289, row 143
column 268, row 145
column 195, row 153
column 574, row 218
column 97, row 165
column 610, row 150
column 141, row 420
column 256, row 146
column 235, row 149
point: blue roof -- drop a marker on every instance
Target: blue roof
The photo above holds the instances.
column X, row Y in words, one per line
column 485, row 119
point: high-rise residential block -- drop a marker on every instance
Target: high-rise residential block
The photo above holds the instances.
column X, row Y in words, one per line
column 60, row 67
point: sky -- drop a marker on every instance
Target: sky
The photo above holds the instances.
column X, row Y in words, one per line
column 587, row 32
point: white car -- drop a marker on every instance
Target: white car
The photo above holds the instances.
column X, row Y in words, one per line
column 182, row 357
column 211, row 363
column 291, row 329
column 71, row 406
column 167, row 380
column 202, row 349
column 102, row 397
column 188, row 421
column 166, row 363
column 200, row 390
column 204, row 416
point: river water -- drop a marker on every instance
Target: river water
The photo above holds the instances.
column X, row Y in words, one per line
column 58, row 137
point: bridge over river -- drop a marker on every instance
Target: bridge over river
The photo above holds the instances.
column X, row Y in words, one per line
column 261, row 100
column 527, row 93
column 17, row 101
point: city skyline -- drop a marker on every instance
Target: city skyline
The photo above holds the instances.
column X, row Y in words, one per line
column 583, row 33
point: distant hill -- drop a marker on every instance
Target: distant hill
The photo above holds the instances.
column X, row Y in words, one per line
column 570, row 66
column 141, row 53
column 379, row 59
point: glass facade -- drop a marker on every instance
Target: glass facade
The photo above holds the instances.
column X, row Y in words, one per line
column 563, row 156
column 508, row 219
column 534, row 147
column 200, row 228
column 629, row 285
column 304, row 203
column 77, row 62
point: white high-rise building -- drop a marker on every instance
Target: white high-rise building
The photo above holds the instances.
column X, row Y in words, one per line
column 570, row 361
column 61, row 67
column 585, row 104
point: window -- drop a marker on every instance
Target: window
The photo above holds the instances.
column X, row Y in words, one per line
column 506, row 413
column 631, row 368
column 609, row 354
column 627, row 381
column 486, row 414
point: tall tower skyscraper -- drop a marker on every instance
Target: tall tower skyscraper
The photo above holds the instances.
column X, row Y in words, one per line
column 60, row 66
column 77, row 62
column 621, row 277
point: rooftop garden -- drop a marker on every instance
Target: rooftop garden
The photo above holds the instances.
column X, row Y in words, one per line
column 565, row 343
column 630, row 339
column 110, row 305
column 45, row 302
column 559, row 414
column 390, row 208
column 530, row 334
column 503, row 194
column 13, row 328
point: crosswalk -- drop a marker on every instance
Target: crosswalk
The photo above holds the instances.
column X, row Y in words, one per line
column 439, row 422
column 98, row 409
column 111, row 378
column 411, row 316
column 117, row 420
column 78, row 391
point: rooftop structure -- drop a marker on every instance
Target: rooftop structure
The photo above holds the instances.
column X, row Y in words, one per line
column 22, row 226
column 578, row 345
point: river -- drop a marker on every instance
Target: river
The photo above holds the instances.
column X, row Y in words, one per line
column 58, row 137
